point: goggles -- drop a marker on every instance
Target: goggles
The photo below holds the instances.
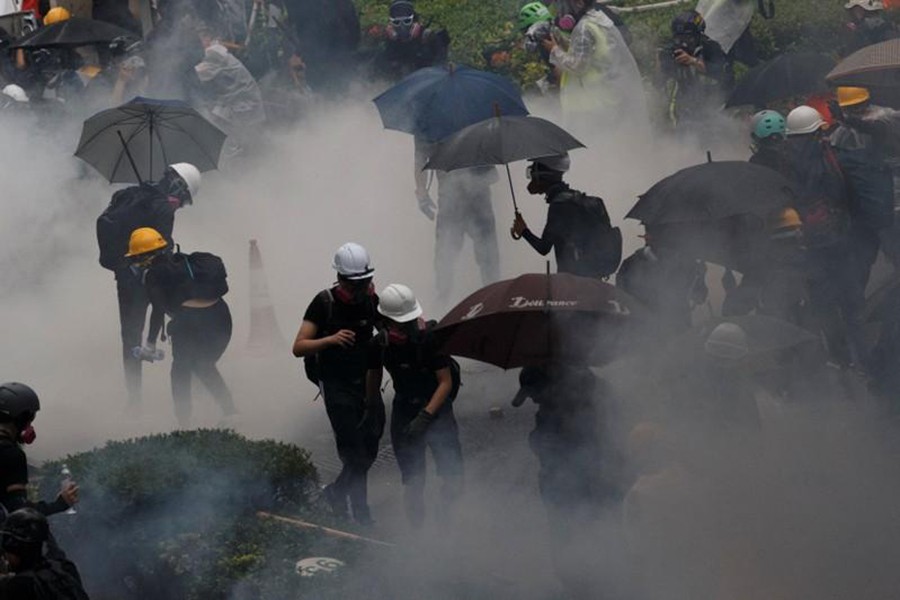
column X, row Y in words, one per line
column 403, row 21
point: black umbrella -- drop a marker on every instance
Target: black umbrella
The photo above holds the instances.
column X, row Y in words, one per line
column 134, row 142
column 714, row 191
column 501, row 140
column 785, row 76
column 73, row 32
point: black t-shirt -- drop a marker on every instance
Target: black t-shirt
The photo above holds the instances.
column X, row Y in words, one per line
column 13, row 471
column 330, row 315
column 412, row 366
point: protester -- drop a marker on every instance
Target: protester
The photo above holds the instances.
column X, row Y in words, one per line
column 769, row 140
column 867, row 25
column 408, row 44
column 36, row 574
column 696, row 73
column 144, row 205
column 334, row 340
column 19, row 405
column 425, row 385
column 600, row 85
column 578, row 229
column 189, row 289
column 229, row 94
column 535, row 22
column 728, row 23
column 463, row 210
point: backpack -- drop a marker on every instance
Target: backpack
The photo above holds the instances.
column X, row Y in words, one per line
column 824, row 211
column 129, row 209
column 187, row 276
column 597, row 245
column 870, row 185
column 311, row 365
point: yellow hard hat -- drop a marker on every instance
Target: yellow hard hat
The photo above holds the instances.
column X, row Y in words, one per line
column 144, row 240
column 786, row 219
column 851, row 96
column 57, row 15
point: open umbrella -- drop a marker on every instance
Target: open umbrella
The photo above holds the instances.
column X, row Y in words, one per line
column 435, row 102
column 136, row 141
column 786, row 76
column 877, row 65
column 537, row 319
column 501, row 140
column 72, row 33
column 714, row 191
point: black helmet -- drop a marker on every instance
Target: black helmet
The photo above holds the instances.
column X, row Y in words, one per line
column 24, row 533
column 18, row 403
column 688, row 23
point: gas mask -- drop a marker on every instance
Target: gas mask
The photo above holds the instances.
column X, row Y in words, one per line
column 28, row 435
column 403, row 26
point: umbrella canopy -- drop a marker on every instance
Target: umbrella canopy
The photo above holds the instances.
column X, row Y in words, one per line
column 501, row 140
column 73, row 32
column 786, row 76
column 157, row 133
column 877, row 65
column 539, row 319
column 714, row 191
column 435, row 102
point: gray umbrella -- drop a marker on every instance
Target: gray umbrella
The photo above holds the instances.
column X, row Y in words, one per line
column 501, row 140
column 136, row 141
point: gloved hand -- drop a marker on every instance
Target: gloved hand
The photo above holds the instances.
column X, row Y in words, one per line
column 836, row 111
column 148, row 353
column 418, row 426
column 426, row 204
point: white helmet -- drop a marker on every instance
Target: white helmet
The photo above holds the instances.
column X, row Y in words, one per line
column 398, row 303
column 190, row 175
column 559, row 162
column 866, row 4
column 15, row 92
column 727, row 341
column 351, row 261
column 804, row 120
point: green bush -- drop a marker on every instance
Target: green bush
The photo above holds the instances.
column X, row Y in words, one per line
column 173, row 516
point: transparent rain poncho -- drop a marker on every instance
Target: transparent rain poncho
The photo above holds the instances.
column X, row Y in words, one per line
column 726, row 20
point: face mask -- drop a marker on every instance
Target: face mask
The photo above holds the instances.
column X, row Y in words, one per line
column 566, row 22
column 349, row 292
column 28, row 435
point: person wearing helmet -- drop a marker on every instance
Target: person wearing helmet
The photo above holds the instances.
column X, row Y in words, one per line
column 56, row 15
column 334, row 340
column 823, row 202
column 464, row 209
column 144, row 205
column 600, row 84
column 189, row 289
column 867, row 25
column 19, row 405
column 425, row 385
column 38, row 569
column 768, row 134
column 536, row 24
column 578, row 228
column 696, row 73
column 867, row 143
column 407, row 44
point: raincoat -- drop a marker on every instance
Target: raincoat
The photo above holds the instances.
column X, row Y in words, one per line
column 599, row 73
column 726, row 20
column 234, row 100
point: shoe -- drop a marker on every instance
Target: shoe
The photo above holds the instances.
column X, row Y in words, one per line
column 336, row 501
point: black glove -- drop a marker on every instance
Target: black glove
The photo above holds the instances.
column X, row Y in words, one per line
column 418, row 426
column 836, row 111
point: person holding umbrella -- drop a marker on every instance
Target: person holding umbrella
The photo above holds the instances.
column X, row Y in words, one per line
column 578, row 228
column 144, row 205
column 425, row 384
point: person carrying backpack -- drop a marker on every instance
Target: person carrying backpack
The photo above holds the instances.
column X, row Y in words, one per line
column 144, row 205
column 189, row 289
column 334, row 341
column 578, row 227
column 425, row 385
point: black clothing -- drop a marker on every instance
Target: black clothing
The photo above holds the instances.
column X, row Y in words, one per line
column 566, row 220
column 133, row 304
column 330, row 315
column 771, row 155
column 692, row 94
column 199, row 338
column 14, row 471
column 871, row 30
column 401, row 57
column 55, row 577
column 412, row 366
column 131, row 208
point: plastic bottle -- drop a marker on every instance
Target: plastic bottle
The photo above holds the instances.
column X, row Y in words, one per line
column 66, row 479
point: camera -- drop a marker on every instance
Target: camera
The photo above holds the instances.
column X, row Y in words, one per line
column 536, row 34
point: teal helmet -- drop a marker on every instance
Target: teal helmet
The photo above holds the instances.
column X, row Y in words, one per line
column 767, row 123
column 531, row 13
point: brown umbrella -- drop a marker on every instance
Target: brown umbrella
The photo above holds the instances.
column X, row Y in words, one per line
column 537, row 319
column 877, row 65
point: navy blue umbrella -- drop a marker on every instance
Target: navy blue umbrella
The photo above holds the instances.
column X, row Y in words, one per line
column 435, row 102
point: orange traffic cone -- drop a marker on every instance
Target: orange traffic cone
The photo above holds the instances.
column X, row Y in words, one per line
column 265, row 335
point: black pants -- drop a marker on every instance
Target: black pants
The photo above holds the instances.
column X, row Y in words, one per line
column 442, row 437
column 133, row 303
column 199, row 338
column 356, row 440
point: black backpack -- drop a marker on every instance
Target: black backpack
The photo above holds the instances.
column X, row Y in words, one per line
column 187, row 276
column 597, row 245
column 128, row 210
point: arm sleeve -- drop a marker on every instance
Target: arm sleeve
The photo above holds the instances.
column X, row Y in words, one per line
column 15, row 466
column 540, row 244
column 317, row 313
column 578, row 58
column 375, row 356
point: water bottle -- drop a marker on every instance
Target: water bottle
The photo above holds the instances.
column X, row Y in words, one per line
column 66, row 478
